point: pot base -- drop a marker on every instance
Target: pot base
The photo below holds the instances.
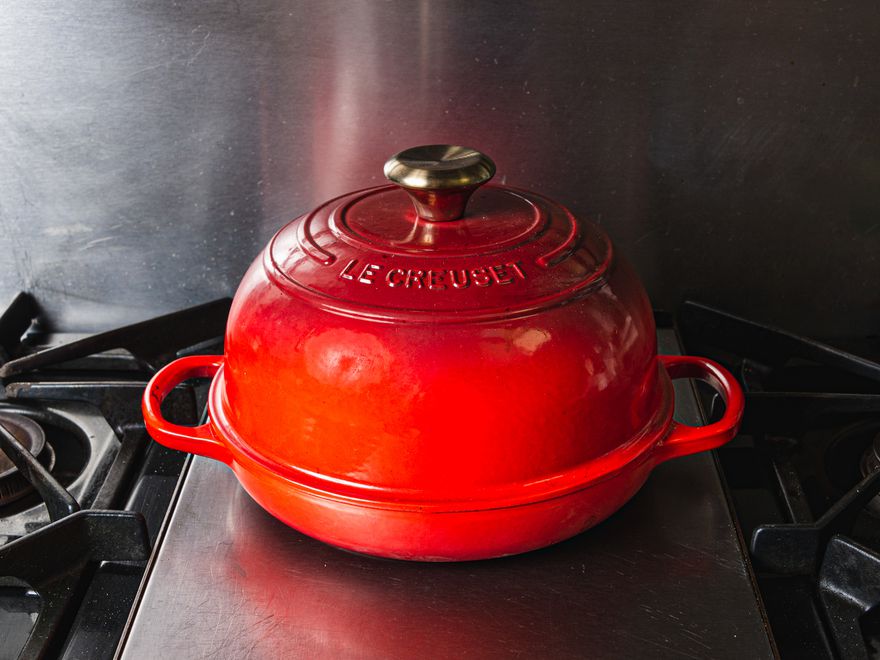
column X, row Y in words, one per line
column 438, row 536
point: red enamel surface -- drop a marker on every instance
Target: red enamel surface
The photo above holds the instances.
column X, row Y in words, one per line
column 436, row 421
column 367, row 254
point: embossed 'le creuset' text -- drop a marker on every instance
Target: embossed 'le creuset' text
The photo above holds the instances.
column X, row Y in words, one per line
column 432, row 279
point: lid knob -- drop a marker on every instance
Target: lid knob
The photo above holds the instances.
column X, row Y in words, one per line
column 439, row 178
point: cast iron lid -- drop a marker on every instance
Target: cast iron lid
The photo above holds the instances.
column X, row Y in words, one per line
column 433, row 248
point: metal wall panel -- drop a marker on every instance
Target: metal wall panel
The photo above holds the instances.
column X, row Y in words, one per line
column 732, row 150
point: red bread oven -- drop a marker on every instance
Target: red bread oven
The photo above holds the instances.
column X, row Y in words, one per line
column 435, row 370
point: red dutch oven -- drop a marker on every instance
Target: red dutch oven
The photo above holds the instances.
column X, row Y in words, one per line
column 418, row 373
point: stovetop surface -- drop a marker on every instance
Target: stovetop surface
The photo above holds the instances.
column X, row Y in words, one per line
column 82, row 550
column 664, row 577
column 84, row 491
column 803, row 478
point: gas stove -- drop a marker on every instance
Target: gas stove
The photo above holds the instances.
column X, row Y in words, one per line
column 803, row 479
column 83, row 490
column 112, row 545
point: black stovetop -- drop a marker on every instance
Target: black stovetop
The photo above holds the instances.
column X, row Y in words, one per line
column 801, row 477
column 79, row 518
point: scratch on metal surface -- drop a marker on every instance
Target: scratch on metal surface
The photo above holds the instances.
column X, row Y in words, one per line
column 94, row 242
column 696, row 638
column 717, row 559
column 40, row 285
column 152, row 67
column 631, row 562
column 658, row 645
column 68, row 230
column 647, row 234
column 201, row 48
column 174, row 60
column 12, row 229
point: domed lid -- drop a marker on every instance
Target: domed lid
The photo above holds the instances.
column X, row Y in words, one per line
column 434, row 248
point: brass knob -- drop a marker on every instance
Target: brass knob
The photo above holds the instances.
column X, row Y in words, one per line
column 440, row 178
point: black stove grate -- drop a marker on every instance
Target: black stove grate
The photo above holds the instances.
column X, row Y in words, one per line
column 69, row 580
column 800, row 479
column 152, row 343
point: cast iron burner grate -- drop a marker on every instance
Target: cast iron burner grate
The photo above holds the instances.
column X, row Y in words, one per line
column 803, row 481
column 83, row 492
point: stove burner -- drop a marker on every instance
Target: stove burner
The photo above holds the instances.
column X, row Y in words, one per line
column 72, row 557
column 871, row 463
column 871, row 459
column 29, row 434
column 845, row 459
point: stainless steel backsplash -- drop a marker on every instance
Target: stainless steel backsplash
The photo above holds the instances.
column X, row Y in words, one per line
column 732, row 150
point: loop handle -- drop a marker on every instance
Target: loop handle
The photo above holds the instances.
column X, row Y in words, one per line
column 683, row 439
column 193, row 439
